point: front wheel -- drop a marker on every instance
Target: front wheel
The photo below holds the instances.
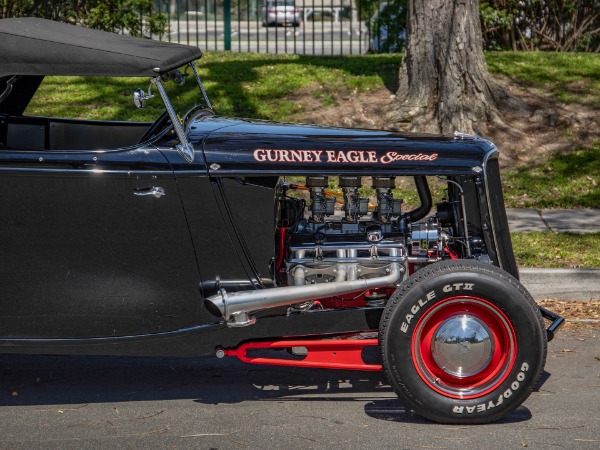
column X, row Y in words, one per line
column 462, row 342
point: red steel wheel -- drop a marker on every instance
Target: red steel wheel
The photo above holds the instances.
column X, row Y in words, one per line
column 462, row 342
column 464, row 347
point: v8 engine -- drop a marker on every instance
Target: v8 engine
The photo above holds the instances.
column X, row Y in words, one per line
column 319, row 244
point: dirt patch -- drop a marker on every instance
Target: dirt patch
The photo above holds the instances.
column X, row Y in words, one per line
column 350, row 108
column 551, row 127
column 577, row 313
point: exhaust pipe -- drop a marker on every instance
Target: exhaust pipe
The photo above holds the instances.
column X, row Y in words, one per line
column 236, row 307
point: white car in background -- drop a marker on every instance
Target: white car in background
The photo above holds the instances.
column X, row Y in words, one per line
column 280, row 12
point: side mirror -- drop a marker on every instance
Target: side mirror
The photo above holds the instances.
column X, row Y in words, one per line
column 140, row 98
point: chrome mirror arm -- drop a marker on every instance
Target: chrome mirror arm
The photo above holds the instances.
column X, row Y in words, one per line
column 185, row 147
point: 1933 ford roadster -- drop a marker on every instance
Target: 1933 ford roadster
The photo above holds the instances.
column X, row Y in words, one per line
column 187, row 237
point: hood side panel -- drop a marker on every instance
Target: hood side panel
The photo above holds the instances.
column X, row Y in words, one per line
column 245, row 147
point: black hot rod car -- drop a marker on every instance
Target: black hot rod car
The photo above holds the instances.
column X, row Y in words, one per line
column 205, row 235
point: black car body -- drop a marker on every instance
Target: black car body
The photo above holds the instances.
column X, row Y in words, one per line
column 186, row 237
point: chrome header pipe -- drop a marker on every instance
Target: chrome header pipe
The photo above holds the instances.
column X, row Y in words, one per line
column 237, row 306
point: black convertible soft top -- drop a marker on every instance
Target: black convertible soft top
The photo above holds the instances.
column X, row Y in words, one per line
column 38, row 47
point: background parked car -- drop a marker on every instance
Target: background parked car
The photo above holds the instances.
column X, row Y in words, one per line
column 280, row 12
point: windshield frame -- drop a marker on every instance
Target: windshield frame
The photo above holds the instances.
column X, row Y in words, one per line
column 185, row 147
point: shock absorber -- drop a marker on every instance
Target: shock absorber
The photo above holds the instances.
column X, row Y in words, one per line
column 387, row 206
column 354, row 206
column 320, row 205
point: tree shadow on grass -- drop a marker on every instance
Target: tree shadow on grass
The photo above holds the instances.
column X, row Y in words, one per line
column 563, row 181
column 229, row 80
column 232, row 84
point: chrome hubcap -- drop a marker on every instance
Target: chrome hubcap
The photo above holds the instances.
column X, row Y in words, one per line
column 462, row 346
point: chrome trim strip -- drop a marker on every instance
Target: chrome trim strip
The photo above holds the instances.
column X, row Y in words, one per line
column 185, row 147
column 109, row 339
column 82, row 151
column 85, row 171
column 492, row 153
column 200, row 172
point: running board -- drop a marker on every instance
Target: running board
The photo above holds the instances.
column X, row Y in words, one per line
column 345, row 354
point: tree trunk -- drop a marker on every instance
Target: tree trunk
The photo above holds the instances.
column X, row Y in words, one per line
column 444, row 84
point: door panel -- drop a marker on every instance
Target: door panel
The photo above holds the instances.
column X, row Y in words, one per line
column 82, row 254
column 218, row 250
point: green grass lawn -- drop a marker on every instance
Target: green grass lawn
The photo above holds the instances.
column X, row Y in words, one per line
column 268, row 87
column 94, row 98
column 263, row 86
column 259, row 85
column 564, row 181
column 546, row 249
column 238, row 84
column 568, row 77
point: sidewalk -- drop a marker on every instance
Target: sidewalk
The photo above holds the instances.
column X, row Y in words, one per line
column 561, row 284
column 560, row 220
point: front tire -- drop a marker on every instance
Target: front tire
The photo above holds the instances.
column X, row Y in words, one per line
column 462, row 342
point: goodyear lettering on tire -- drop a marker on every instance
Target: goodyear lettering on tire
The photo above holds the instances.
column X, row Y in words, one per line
column 514, row 386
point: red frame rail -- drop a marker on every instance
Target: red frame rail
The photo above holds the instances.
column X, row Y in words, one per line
column 343, row 354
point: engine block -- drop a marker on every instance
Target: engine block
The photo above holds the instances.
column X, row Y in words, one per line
column 328, row 246
column 339, row 252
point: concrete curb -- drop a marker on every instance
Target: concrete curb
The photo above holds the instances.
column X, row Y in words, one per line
column 558, row 284
column 562, row 284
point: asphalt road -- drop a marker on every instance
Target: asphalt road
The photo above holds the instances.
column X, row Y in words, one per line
column 108, row 402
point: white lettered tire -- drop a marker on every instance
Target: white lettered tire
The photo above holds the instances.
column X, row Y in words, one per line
column 462, row 342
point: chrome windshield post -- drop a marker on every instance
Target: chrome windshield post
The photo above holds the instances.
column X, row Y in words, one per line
column 199, row 81
column 185, row 147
